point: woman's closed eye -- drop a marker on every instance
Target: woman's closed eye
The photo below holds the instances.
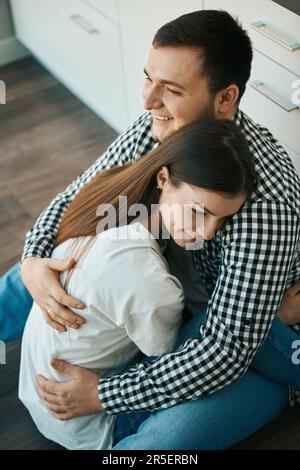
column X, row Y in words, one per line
column 199, row 212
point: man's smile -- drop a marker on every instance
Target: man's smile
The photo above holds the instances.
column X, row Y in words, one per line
column 161, row 118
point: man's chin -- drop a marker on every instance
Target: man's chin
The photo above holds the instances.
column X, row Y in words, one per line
column 158, row 135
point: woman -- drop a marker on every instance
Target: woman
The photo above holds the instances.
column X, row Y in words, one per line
column 185, row 189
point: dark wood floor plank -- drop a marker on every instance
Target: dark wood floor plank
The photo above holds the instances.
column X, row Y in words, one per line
column 26, row 79
column 19, row 431
column 48, row 137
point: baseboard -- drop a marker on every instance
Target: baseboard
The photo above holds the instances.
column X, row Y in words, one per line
column 11, row 50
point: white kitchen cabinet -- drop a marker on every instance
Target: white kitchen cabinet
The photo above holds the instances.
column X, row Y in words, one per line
column 92, row 60
column 36, row 27
column 268, row 100
column 139, row 21
column 109, row 8
column 81, row 47
column 274, row 30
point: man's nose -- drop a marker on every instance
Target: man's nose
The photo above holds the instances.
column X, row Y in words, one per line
column 152, row 99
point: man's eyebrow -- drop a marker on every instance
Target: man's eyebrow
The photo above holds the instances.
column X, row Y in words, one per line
column 167, row 82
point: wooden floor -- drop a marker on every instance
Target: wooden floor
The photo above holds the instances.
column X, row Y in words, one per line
column 47, row 138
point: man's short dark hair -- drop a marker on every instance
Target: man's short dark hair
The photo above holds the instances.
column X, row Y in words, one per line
column 225, row 47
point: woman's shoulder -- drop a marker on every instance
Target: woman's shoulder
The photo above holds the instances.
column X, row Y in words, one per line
column 132, row 248
column 133, row 266
column 69, row 247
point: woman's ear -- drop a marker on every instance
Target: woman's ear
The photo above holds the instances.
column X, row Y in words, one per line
column 163, row 178
column 226, row 101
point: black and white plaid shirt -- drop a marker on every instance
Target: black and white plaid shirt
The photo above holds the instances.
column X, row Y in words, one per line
column 246, row 268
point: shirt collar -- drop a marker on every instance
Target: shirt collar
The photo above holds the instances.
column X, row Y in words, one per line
column 237, row 118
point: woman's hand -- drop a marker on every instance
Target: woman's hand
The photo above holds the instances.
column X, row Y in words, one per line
column 78, row 397
column 289, row 310
column 41, row 277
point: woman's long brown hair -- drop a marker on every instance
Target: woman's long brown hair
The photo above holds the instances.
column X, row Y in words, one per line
column 210, row 154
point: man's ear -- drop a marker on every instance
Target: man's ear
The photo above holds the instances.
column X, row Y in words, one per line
column 226, row 101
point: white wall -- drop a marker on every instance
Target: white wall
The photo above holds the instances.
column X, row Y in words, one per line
column 6, row 25
column 10, row 48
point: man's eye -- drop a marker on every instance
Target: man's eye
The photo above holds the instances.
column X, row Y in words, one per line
column 174, row 92
column 147, row 78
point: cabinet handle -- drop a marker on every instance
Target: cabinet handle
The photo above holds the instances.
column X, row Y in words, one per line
column 259, row 86
column 83, row 24
column 262, row 28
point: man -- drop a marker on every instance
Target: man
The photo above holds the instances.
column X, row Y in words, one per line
column 198, row 67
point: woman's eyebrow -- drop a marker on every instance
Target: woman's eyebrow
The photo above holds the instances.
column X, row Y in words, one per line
column 167, row 82
column 207, row 210
column 203, row 208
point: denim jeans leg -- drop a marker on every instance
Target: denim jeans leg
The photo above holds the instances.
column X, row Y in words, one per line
column 274, row 358
column 128, row 423
column 241, row 408
column 15, row 305
column 215, row 421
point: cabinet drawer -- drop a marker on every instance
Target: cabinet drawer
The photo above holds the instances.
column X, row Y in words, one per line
column 268, row 100
column 93, row 63
column 274, row 30
column 108, row 7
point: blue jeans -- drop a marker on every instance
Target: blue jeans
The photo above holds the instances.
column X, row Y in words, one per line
column 214, row 421
column 229, row 415
column 15, row 305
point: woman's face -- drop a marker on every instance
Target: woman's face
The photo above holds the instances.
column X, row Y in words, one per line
column 191, row 214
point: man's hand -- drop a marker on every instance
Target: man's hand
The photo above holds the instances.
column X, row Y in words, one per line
column 41, row 277
column 289, row 310
column 66, row 400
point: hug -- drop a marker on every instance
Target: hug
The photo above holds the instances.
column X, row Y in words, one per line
column 172, row 328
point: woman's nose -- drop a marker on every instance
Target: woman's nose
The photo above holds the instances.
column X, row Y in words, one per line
column 210, row 229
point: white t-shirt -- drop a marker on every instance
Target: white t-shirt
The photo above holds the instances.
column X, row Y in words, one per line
column 132, row 303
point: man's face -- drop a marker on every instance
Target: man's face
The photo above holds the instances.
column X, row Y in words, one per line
column 174, row 91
